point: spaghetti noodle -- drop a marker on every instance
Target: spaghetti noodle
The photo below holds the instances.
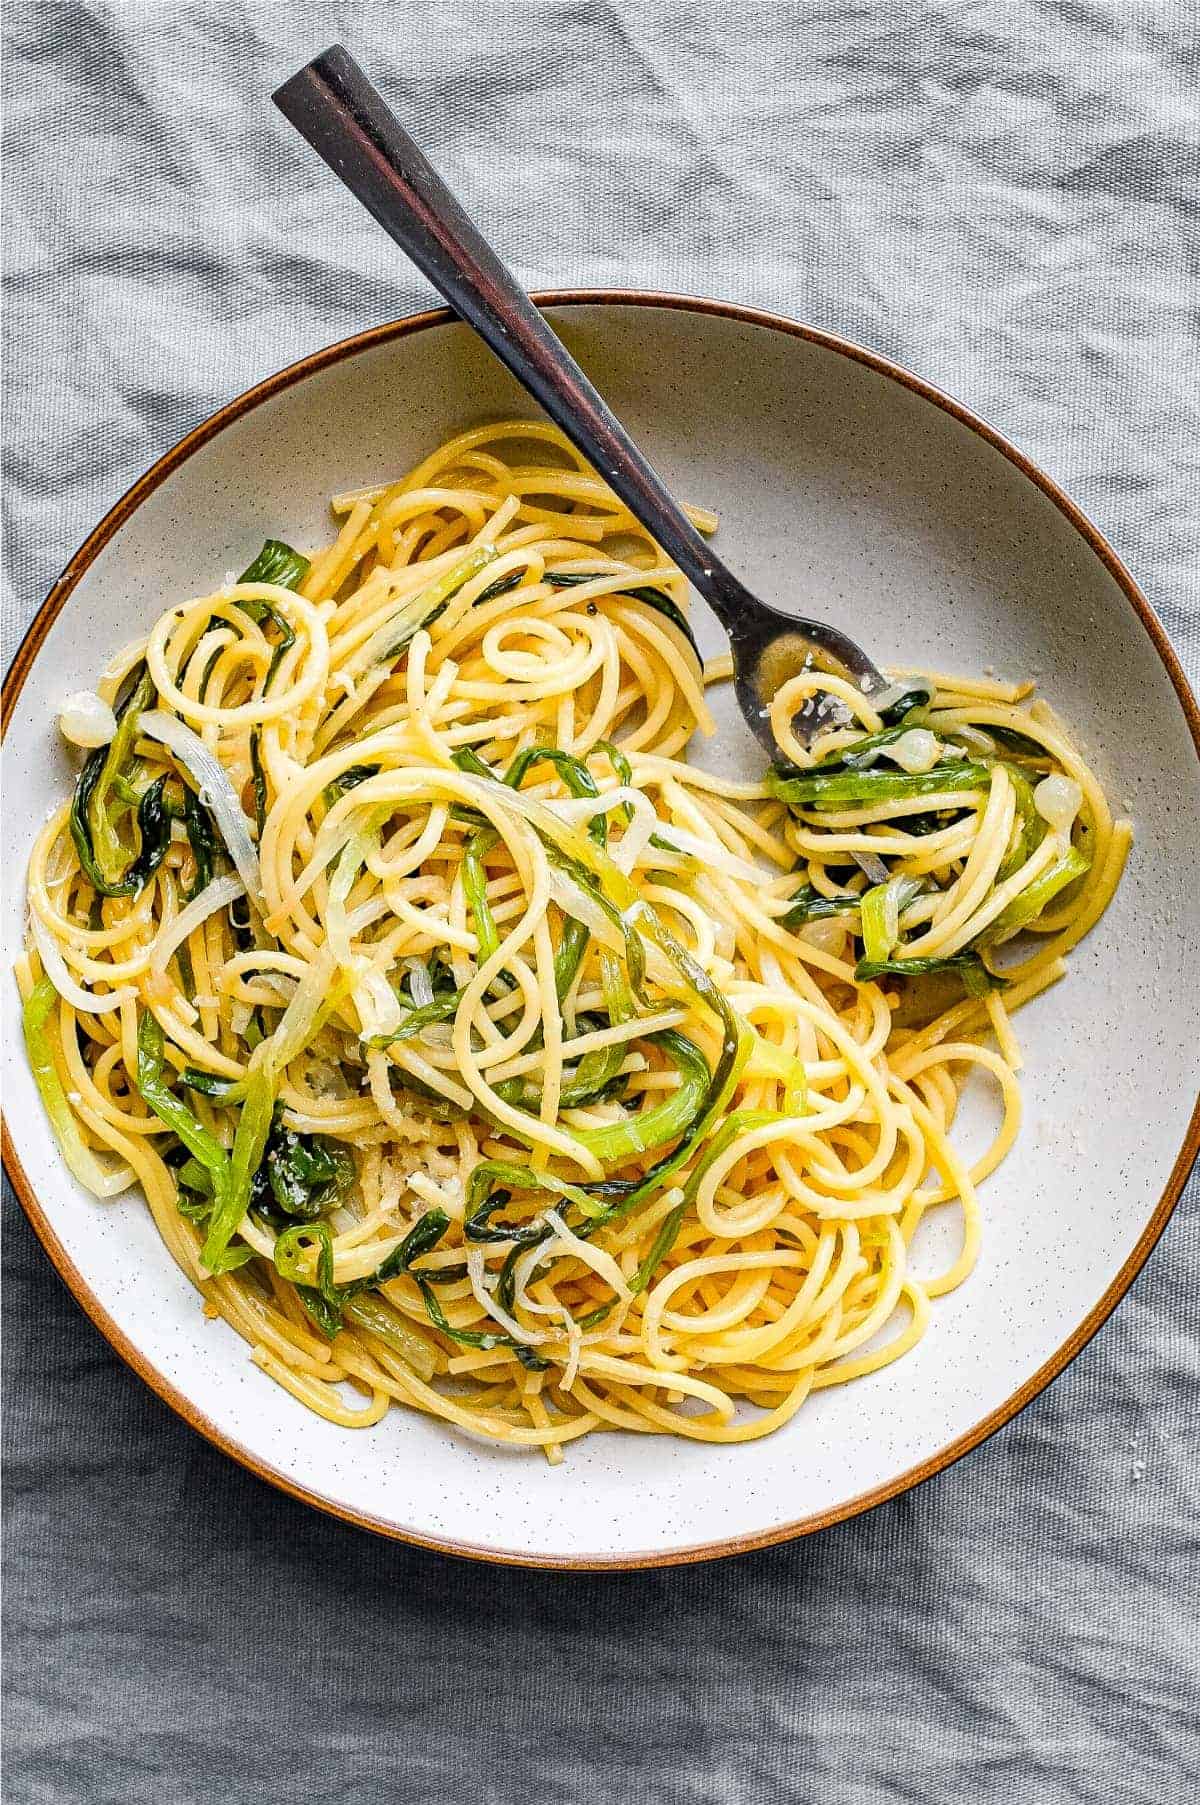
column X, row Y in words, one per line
column 476, row 1052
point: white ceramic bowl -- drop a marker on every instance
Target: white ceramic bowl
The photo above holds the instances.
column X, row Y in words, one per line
column 866, row 496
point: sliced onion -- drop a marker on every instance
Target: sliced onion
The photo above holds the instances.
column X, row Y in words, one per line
column 379, row 1010
column 84, row 1002
column 348, row 867
column 86, row 719
column 973, row 737
column 1058, row 800
column 915, row 751
column 217, row 895
column 601, row 1263
column 580, row 906
column 716, row 858
column 476, row 1272
column 297, row 1022
column 420, row 983
column 215, row 790
column 873, row 865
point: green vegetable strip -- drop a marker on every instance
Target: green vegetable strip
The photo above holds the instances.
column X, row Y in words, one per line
column 877, row 942
column 102, row 857
column 249, row 1146
column 474, row 878
column 325, row 1301
column 422, row 1238
column 650, row 1128
column 568, row 956
column 294, row 1245
column 635, row 957
column 808, row 904
column 736, row 1046
column 302, row 1175
column 880, row 930
column 276, row 563
column 111, row 856
column 424, row 608
column 838, row 789
column 575, row 776
column 261, row 611
column 861, row 754
column 202, row 840
column 440, row 1010
column 1025, row 908
column 154, row 832
column 617, row 759
column 501, row 586
column 598, row 1072
column 741, row 1122
column 597, row 1075
column 482, row 1201
column 977, row 979
column 208, row 1084
column 258, row 779
column 290, row 1255
column 200, row 1143
column 618, row 896
column 475, row 1337
column 194, row 1176
column 35, row 1013
column 349, row 779
column 580, row 782
column 1033, row 826
column 917, row 693
column 623, row 771
column 1020, row 744
column 375, row 1314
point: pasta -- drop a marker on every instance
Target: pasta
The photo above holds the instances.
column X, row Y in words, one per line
column 473, row 1050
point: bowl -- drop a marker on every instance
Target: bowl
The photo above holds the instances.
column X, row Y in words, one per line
column 861, row 493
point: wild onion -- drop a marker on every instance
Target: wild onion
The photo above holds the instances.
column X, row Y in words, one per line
column 816, row 789
column 977, row 979
column 199, row 1141
column 650, row 1128
column 915, row 692
column 808, row 904
column 305, row 1175
column 1025, row 908
column 35, row 1014
column 106, row 862
column 474, row 881
column 249, row 1146
column 879, row 912
column 201, row 838
column 276, row 563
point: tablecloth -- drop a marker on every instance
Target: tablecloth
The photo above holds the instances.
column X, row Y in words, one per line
column 1002, row 194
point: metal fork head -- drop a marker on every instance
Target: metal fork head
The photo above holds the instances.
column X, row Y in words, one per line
column 770, row 648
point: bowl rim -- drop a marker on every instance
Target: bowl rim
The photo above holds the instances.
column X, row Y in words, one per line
column 75, row 1281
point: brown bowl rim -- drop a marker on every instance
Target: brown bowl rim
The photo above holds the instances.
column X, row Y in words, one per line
column 972, row 1438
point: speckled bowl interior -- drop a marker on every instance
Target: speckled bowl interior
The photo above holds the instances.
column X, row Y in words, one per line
column 853, row 493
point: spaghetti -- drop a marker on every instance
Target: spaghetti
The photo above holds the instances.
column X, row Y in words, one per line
column 476, row 1052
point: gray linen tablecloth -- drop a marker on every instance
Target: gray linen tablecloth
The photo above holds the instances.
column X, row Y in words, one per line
column 1000, row 195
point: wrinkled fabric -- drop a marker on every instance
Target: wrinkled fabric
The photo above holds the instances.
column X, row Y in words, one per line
column 1002, row 196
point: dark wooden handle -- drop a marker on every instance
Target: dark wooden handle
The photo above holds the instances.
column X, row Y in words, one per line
column 345, row 119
